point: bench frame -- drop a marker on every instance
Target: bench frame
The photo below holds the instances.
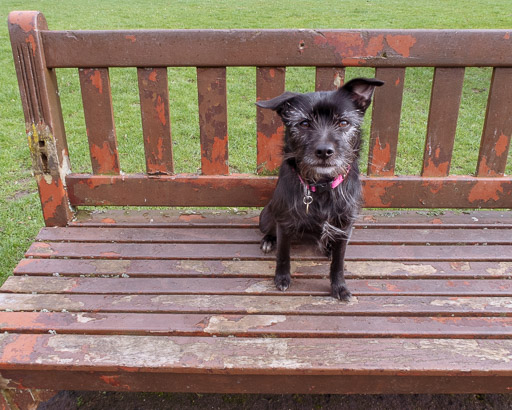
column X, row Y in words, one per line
column 38, row 52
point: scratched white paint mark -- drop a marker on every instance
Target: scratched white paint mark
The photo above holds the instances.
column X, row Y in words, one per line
column 261, row 287
column 469, row 348
column 474, row 303
column 503, row 268
column 273, row 353
column 123, row 299
column 388, row 268
column 129, row 351
column 81, row 318
column 249, row 267
column 223, row 325
column 194, row 266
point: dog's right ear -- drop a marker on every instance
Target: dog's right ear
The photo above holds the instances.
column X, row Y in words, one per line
column 278, row 103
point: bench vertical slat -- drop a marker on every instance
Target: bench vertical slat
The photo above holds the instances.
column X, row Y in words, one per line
column 99, row 120
column 156, row 123
column 213, row 120
column 329, row 78
column 442, row 121
column 387, row 106
column 497, row 131
column 43, row 115
column 270, row 82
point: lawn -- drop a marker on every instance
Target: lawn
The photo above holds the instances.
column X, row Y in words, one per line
column 20, row 215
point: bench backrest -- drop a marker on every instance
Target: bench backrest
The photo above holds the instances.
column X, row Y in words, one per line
column 38, row 52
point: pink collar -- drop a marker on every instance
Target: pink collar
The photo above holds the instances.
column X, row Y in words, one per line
column 334, row 183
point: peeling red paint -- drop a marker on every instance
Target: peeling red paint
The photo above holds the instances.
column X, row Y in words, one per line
column 153, row 76
column 434, row 187
column 108, row 221
column 482, row 191
column 381, row 156
column 507, row 36
column 379, row 192
column 113, row 380
column 401, row 44
column 502, row 145
column 190, row 218
column 431, row 168
column 94, row 183
column 131, row 38
column 96, row 80
column 447, row 320
column 160, row 109
column 52, row 196
column 397, row 82
column 270, row 147
column 109, row 254
column 105, row 158
column 437, row 221
column 484, row 169
column 375, row 45
column 18, row 349
column 30, row 40
column 215, row 162
column 22, row 20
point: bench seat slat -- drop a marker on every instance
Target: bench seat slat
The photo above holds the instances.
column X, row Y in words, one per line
column 374, row 305
column 263, row 269
column 256, row 286
column 234, row 235
column 106, row 250
column 422, row 219
column 276, row 356
column 253, row 325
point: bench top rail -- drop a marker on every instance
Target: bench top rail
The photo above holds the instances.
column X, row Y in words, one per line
column 39, row 51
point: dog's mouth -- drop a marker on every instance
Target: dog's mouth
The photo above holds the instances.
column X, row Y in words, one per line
column 326, row 169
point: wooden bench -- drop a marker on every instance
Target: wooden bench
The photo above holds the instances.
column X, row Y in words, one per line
column 182, row 301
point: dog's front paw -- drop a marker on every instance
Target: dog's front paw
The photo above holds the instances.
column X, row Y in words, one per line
column 340, row 291
column 268, row 243
column 282, row 282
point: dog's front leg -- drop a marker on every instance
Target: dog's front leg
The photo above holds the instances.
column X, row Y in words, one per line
column 282, row 278
column 339, row 288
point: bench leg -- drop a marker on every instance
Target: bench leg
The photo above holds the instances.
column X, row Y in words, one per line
column 13, row 399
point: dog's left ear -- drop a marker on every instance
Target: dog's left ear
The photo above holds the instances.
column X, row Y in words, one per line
column 361, row 90
column 278, row 103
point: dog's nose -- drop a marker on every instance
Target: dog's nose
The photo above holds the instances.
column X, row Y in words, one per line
column 324, row 151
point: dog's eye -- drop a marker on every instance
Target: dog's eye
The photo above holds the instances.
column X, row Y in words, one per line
column 304, row 124
column 343, row 123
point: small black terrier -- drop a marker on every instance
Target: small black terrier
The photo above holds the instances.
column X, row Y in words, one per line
column 318, row 191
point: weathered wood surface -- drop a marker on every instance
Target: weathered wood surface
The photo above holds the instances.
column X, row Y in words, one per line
column 270, row 48
column 191, row 297
column 156, row 300
column 250, row 191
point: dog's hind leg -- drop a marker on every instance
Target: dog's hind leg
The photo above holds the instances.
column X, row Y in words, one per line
column 339, row 289
column 268, row 227
column 282, row 278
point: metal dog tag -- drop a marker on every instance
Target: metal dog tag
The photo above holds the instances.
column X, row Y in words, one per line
column 308, row 199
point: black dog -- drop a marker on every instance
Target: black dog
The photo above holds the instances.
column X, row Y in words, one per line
column 318, row 190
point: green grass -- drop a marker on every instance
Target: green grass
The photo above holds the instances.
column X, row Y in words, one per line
column 20, row 214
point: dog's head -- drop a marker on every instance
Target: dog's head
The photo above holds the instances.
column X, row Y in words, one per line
column 323, row 134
